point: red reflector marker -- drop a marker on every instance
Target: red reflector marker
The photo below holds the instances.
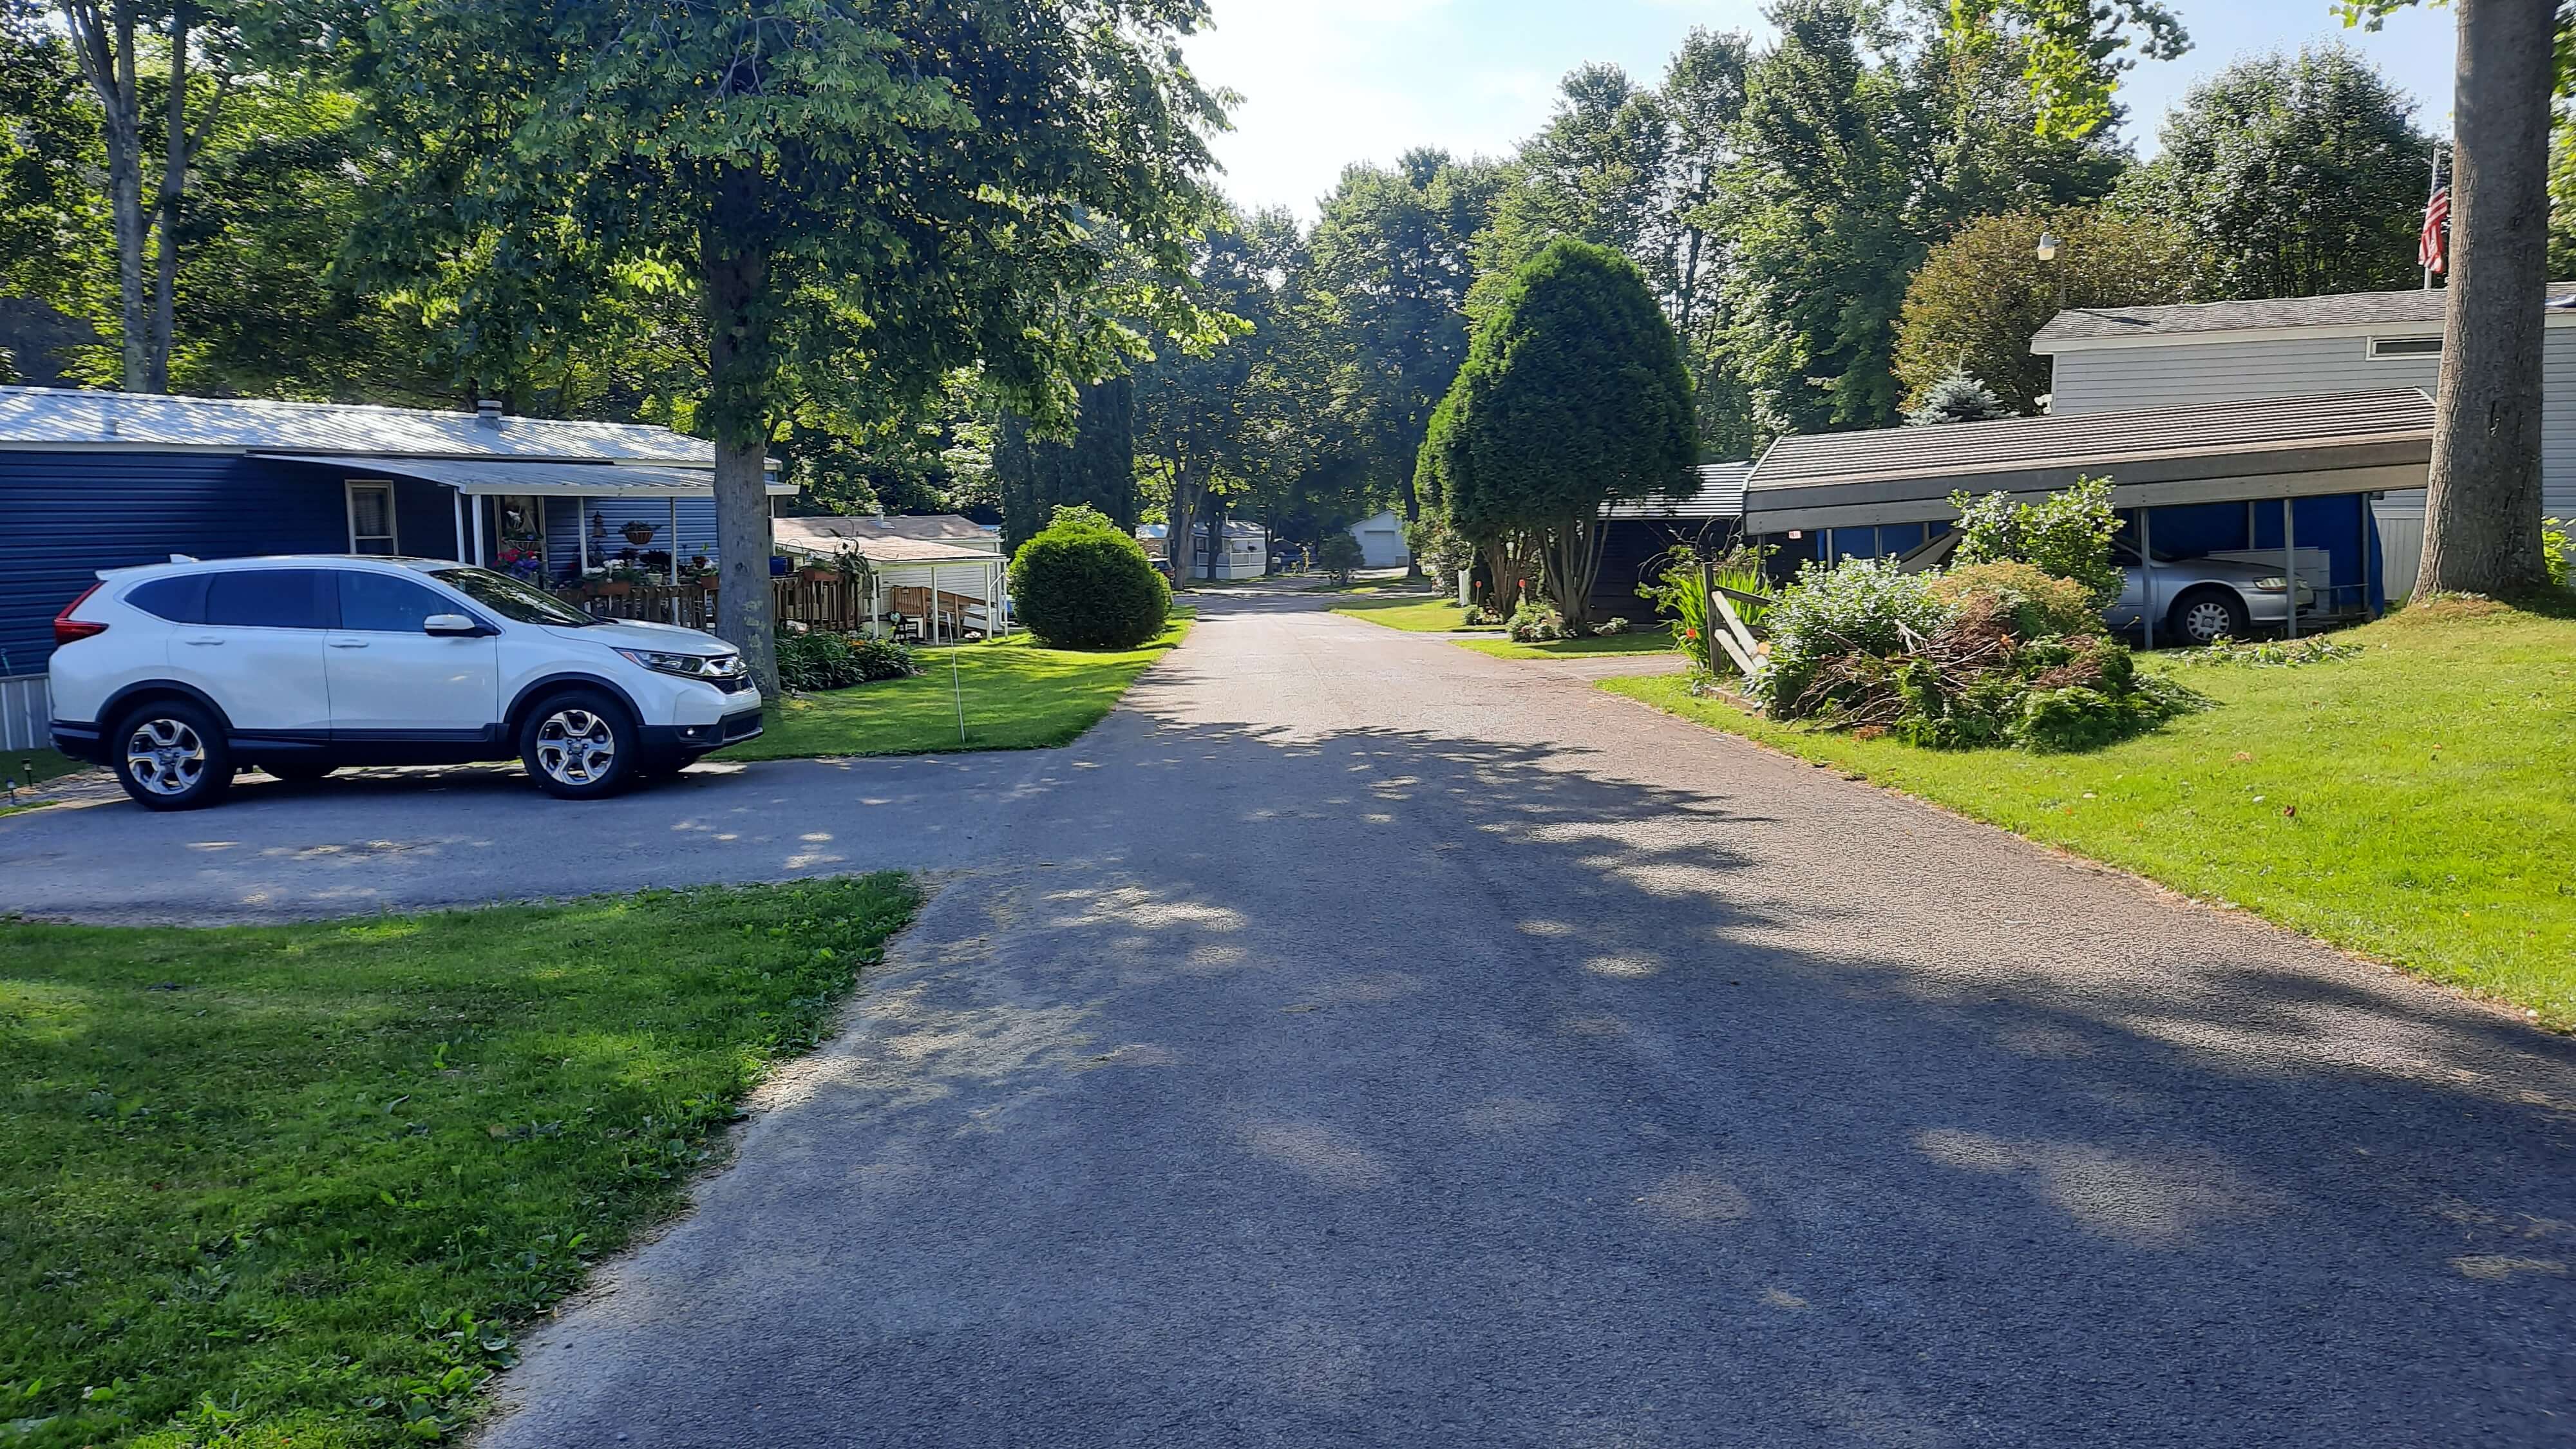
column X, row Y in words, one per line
column 67, row 628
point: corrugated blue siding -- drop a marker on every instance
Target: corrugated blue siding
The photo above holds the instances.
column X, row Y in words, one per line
column 64, row 516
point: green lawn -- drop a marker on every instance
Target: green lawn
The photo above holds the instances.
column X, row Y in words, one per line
column 2414, row 803
column 299, row 1185
column 29, row 767
column 1018, row 697
column 1410, row 610
column 1642, row 641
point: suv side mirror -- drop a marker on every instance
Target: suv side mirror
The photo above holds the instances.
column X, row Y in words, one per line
column 450, row 626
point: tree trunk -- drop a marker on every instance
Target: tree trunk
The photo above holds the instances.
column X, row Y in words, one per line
column 736, row 280
column 2482, row 518
column 1573, row 558
column 174, row 177
column 1179, row 518
column 104, row 45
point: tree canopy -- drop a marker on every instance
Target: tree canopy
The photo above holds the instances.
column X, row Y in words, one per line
column 1979, row 297
column 858, row 201
column 2294, row 176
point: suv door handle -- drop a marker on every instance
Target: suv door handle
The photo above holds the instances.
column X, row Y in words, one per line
column 348, row 643
column 206, row 643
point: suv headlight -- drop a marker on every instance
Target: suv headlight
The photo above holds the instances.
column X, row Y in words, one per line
column 718, row 669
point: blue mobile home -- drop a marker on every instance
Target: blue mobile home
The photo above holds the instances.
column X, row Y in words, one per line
column 94, row 480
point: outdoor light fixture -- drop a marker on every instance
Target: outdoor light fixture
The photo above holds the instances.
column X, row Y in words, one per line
column 2048, row 246
column 1797, row 533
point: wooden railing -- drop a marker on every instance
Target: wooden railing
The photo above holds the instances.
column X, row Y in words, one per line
column 835, row 603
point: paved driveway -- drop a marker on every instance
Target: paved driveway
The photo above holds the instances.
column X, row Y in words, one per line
column 1357, row 1040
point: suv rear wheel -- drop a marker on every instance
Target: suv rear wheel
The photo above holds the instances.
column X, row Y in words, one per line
column 580, row 746
column 172, row 756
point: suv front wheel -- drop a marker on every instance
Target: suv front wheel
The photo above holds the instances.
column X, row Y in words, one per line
column 172, row 756
column 580, row 746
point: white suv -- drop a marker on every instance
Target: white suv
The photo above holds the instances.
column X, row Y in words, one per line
column 176, row 674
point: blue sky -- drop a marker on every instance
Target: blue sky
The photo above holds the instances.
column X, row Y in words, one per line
column 1327, row 82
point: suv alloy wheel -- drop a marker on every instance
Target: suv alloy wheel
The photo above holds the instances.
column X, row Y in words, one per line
column 580, row 746
column 172, row 756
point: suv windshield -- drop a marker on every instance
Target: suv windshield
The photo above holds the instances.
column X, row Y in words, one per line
column 511, row 599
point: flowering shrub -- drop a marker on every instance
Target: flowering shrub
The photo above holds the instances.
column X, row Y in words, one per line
column 1535, row 623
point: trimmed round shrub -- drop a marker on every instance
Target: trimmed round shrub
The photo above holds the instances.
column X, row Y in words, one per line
column 1340, row 555
column 1081, row 583
column 2039, row 603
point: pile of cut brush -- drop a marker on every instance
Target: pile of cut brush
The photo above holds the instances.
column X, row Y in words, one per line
column 1990, row 654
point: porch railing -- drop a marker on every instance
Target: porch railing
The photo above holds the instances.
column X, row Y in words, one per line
column 837, row 604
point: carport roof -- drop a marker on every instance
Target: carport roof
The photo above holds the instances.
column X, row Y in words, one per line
column 2256, row 448
column 474, row 476
column 1718, row 493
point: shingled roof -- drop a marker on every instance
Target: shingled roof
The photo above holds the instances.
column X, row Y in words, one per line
column 2337, row 443
column 2414, row 309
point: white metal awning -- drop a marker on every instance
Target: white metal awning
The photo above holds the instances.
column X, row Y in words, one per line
column 482, row 477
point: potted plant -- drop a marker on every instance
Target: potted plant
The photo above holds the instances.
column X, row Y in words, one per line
column 638, row 532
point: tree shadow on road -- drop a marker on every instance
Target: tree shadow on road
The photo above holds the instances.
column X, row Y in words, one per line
column 1393, row 1087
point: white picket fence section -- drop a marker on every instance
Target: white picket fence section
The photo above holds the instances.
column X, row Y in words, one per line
column 25, row 711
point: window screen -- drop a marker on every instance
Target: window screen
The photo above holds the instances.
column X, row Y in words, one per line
column 384, row 604
column 180, row 600
column 371, row 518
column 265, row 598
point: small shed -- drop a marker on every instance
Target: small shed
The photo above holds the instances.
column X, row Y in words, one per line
column 1381, row 540
column 1635, row 534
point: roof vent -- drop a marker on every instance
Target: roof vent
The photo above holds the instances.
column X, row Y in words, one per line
column 111, row 427
column 488, row 412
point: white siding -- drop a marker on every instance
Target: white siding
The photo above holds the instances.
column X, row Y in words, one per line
column 2174, row 374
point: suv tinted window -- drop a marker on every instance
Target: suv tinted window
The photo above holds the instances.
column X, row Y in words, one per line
column 265, row 598
column 180, row 600
column 386, row 604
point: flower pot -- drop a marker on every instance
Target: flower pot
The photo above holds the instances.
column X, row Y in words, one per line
column 638, row 534
column 820, row 576
column 615, row 589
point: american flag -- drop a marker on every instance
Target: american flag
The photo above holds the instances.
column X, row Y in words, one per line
column 2433, row 250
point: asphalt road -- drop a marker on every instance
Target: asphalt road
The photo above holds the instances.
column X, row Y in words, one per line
column 1357, row 1040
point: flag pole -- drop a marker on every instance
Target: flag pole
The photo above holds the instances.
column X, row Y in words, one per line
column 2432, row 189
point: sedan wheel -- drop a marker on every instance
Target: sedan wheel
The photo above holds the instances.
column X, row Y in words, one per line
column 2205, row 617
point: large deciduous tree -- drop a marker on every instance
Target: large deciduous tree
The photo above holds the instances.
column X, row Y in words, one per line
column 1207, row 418
column 1859, row 151
column 2295, row 177
column 1385, row 297
column 1979, row 297
column 158, row 70
column 1573, row 396
column 860, row 197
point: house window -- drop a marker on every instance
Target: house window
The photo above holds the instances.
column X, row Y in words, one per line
column 371, row 518
column 2406, row 347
